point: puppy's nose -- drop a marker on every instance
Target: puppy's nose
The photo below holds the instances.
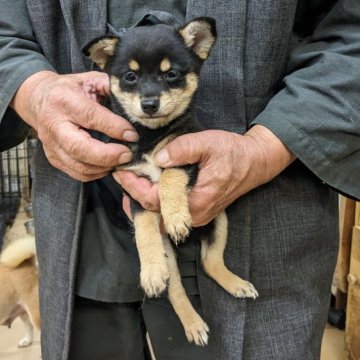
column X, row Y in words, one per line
column 150, row 105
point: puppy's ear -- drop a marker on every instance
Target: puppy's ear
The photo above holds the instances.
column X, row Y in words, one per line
column 101, row 49
column 199, row 35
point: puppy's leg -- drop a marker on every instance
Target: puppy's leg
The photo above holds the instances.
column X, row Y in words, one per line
column 196, row 329
column 154, row 273
column 212, row 256
column 173, row 193
column 33, row 307
column 28, row 338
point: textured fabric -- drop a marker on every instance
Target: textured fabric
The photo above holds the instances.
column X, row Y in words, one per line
column 332, row 55
column 109, row 331
column 282, row 236
column 167, row 333
column 113, row 331
column 289, row 255
column 13, row 130
column 127, row 12
column 20, row 57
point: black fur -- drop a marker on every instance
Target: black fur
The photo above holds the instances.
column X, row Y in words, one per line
column 148, row 46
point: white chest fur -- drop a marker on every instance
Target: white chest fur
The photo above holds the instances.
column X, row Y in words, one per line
column 146, row 168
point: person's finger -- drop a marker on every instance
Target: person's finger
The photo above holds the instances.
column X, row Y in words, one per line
column 91, row 115
column 76, row 169
column 79, row 145
column 184, row 150
column 140, row 189
column 76, row 166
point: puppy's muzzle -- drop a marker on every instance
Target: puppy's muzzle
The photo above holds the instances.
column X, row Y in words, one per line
column 150, row 105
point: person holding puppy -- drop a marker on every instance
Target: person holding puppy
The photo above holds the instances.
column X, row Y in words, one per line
column 279, row 94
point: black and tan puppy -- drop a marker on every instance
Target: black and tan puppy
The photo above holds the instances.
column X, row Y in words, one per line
column 154, row 74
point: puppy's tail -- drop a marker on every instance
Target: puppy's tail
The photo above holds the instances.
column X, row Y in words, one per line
column 18, row 251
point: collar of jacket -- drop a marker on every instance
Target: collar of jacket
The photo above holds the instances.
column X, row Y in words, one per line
column 151, row 18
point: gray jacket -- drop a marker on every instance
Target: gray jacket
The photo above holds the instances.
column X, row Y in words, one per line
column 283, row 235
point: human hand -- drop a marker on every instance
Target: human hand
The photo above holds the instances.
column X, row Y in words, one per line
column 230, row 166
column 61, row 108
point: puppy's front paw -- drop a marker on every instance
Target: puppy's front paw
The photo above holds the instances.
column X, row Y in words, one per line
column 178, row 225
column 154, row 277
column 197, row 331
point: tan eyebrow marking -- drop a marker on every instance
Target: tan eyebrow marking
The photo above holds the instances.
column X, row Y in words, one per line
column 134, row 65
column 165, row 65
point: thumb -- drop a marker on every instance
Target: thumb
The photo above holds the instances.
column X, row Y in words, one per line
column 184, row 150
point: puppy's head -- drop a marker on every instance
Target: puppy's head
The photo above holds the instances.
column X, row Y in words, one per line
column 154, row 69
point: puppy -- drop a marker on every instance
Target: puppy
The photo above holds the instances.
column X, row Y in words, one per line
column 154, row 74
column 19, row 287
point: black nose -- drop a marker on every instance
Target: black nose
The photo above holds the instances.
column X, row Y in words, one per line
column 150, row 105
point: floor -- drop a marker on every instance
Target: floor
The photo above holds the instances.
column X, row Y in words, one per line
column 332, row 347
column 8, row 343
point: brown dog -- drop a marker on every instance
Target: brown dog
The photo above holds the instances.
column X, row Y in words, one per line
column 19, row 287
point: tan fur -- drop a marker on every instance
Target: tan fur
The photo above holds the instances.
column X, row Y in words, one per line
column 198, row 36
column 154, row 270
column 165, row 65
column 145, row 168
column 176, row 101
column 101, row 51
column 172, row 103
column 213, row 261
column 173, row 193
column 129, row 101
column 134, row 65
column 18, row 251
column 148, row 166
column 196, row 329
column 19, row 289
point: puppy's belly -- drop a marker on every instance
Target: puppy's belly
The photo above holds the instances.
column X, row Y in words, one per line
column 15, row 312
column 146, row 168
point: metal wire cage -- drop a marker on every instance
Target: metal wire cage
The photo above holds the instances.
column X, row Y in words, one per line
column 15, row 183
column 15, row 175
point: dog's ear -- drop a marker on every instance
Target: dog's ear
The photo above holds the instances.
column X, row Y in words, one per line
column 101, row 49
column 199, row 35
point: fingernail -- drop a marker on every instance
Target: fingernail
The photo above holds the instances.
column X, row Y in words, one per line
column 162, row 157
column 125, row 157
column 130, row 135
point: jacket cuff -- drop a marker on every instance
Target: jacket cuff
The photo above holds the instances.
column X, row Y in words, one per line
column 331, row 171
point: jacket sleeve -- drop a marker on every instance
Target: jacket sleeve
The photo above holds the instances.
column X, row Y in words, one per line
column 317, row 112
column 20, row 57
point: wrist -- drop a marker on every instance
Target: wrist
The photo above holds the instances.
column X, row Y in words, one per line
column 272, row 155
column 29, row 95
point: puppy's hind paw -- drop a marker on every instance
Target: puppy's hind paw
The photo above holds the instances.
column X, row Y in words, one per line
column 25, row 342
column 244, row 289
column 197, row 332
column 154, row 278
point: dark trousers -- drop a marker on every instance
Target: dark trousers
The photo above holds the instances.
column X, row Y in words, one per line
column 116, row 331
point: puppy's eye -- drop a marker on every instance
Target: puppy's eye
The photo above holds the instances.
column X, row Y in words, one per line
column 172, row 75
column 130, row 77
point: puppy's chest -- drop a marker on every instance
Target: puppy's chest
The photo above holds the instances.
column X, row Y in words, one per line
column 146, row 167
column 144, row 161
